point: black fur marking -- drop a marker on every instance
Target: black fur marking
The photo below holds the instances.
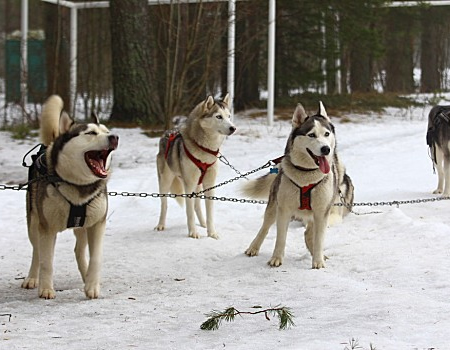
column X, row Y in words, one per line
column 61, row 141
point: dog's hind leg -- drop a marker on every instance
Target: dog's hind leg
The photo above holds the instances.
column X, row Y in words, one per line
column 80, row 251
column 32, row 279
column 165, row 179
column 270, row 216
column 47, row 242
column 95, row 241
column 309, row 237
column 440, row 169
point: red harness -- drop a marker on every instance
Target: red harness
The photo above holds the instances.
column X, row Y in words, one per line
column 203, row 167
column 305, row 195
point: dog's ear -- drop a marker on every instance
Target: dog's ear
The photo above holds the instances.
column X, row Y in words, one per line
column 208, row 103
column 322, row 110
column 65, row 122
column 299, row 116
column 226, row 100
column 94, row 118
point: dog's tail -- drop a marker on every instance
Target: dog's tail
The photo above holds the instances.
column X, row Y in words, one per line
column 260, row 187
column 50, row 115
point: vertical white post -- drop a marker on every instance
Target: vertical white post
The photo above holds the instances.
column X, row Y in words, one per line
column 271, row 64
column 24, row 58
column 73, row 58
column 231, row 51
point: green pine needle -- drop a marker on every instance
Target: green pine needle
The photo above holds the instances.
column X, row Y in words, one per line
column 215, row 317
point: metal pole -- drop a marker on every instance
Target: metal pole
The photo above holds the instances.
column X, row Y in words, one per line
column 231, row 51
column 24, row 58
column 271, row 64
column 73, row 59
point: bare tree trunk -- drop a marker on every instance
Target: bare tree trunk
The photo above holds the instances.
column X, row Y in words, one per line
column 430, row 80
column 399, row 51
column 57, row 49
column 131, row 60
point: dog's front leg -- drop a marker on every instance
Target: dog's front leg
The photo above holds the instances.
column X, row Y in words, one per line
column 208, row 182
column 95, row 240
column 446, row 172
column 440, row 170
column 47, row 242
column 283, row 218
column 189, row 186
column 270, row 215
column 320, row 225
column 80, row 251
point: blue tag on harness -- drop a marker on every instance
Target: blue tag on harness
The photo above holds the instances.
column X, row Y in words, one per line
column 273, row 170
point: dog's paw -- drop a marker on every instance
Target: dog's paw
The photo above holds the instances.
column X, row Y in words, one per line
column 47, row 294
column 275, row 261
column 92, row 291
column 437, row 191
column 159, row 227
column 30, row 283
column 318, row 263
column 251, row 251
column 194, row 235
column 213, row 235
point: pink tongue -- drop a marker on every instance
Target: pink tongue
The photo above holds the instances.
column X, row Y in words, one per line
column 323, row 165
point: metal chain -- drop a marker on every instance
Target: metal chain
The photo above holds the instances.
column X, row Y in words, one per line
column 241, row 200
column 235, row 178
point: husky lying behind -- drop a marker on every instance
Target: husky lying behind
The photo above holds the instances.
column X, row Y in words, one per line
column 311, row 179
column 67, row 189
column 187, row 160
column 438, row 139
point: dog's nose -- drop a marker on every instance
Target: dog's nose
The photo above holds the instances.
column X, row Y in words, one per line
column 325, row 150
column 113, row 141
column 232, row 129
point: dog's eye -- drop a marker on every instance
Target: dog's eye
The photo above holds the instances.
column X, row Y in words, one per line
column 219, row 116
column 327, row 134
column 312, row 135
column 92, row 133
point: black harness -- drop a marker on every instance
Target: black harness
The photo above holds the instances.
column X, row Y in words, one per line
column 38, row 171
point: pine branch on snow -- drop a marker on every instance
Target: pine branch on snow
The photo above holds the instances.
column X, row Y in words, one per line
column 216, row 317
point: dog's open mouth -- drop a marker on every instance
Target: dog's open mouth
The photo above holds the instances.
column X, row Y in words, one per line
column 321, row 162
column 96, row 160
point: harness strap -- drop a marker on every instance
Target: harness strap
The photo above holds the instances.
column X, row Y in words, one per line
column 38, row 171
column 170, row 139
column 203, row 167
column 305, row 195
column 77, row 215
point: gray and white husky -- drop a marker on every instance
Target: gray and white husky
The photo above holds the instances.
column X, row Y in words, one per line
column 438, row 139
column 187, row 160
column 311, row 179
column 67, row 189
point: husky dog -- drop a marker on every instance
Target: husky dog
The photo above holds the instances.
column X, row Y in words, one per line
column 187, row 160
column 310, row 180
column 67, row 189
column 438, row 139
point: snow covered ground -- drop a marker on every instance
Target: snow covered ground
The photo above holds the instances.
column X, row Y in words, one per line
column 386, row 284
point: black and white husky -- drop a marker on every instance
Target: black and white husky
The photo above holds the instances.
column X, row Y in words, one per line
column 67, row 189
column 438, row 139
column 311, row 179
column 187, row 160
